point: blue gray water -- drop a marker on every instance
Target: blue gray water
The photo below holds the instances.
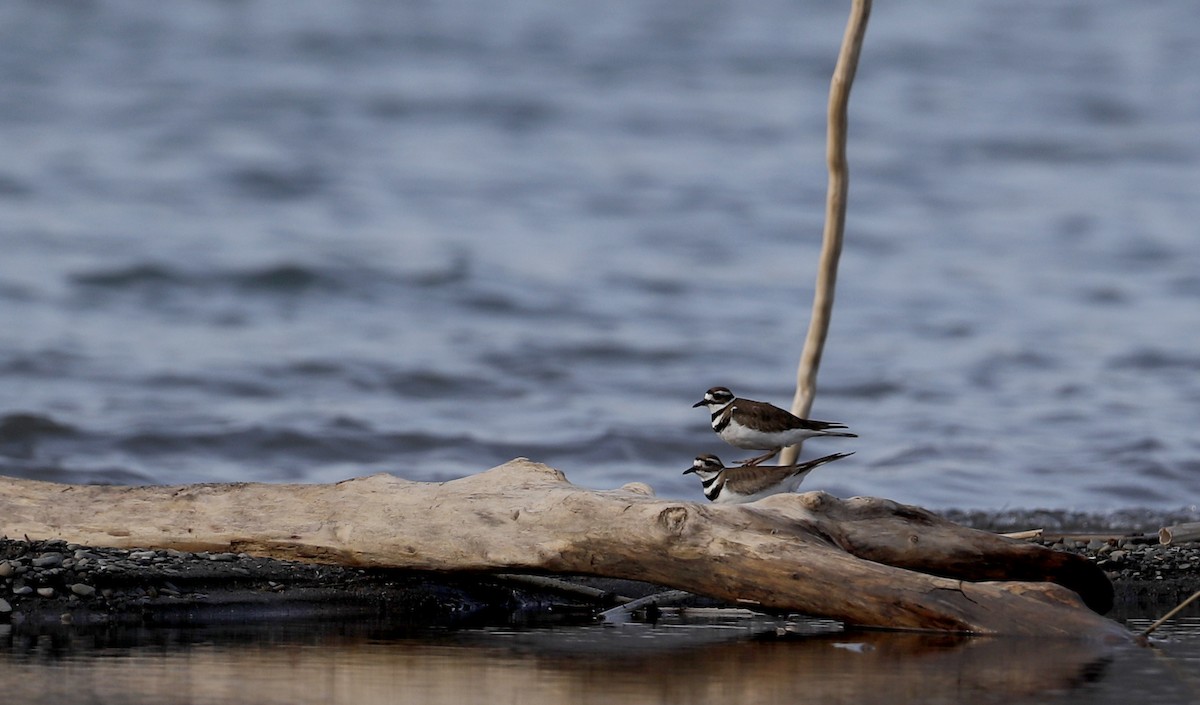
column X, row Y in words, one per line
column 304, row 241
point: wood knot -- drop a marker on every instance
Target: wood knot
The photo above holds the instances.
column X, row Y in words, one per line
column 673, row 519
column 816, row 500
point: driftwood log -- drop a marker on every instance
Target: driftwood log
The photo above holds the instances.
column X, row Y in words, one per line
column 867, row 562
column 1180, row 533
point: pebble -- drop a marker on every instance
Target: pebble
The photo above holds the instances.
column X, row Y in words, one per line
column 47, row 560
column 225, row 557
column 22, row 590
column 83, row 590
column 45, row 591
column 5, row 608
column 6, row 569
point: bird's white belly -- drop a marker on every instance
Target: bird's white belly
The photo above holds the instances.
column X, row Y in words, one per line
column 742, row 437
column 789, row 485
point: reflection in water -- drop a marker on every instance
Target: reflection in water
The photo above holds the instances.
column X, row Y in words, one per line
column 722, row 660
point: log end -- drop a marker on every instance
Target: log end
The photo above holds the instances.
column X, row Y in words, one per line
column 1066, row 612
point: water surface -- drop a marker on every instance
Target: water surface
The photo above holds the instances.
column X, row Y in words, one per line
column 307, row 241
column 681, row 659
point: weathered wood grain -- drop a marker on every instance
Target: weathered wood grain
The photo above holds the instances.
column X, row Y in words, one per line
column 863, row 561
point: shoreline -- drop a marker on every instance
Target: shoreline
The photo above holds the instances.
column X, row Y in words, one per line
column 55, row 582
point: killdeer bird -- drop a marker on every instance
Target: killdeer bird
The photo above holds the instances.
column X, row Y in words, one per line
column 737, row 485
column 756, row 425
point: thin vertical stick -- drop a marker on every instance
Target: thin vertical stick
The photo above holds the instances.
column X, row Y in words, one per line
column 835, row 216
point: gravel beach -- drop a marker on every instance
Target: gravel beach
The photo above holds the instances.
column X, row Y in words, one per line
column 55, row 581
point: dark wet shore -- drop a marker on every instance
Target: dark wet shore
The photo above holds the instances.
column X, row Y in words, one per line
column 55, row 581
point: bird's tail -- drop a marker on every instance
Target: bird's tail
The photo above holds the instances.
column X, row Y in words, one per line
column 838, row 434
column 825, row 459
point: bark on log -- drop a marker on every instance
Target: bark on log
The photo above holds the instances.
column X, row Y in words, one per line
column 867, row 562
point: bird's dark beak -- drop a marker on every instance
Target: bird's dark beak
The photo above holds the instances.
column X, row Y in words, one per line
column 702, row 402
column 691, row 469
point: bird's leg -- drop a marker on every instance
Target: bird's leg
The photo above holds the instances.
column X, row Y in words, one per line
column 760, row 458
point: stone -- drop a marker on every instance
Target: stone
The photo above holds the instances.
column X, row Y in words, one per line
column 6, row 569
column 48, row 560
column 83, row 590
column 45, row 591
column 5, row 608
column 22, row 590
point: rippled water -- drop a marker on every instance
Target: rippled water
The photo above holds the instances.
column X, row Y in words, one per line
column 679, row 660
column 309, row 240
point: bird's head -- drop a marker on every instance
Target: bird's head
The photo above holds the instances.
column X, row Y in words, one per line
column 715, row 398
column 706, row 466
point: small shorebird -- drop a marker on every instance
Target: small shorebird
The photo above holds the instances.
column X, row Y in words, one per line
column 756, row 425
column 737, row 485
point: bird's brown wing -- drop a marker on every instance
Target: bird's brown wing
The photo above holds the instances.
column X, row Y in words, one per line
column 752, row 480
column 772, row 419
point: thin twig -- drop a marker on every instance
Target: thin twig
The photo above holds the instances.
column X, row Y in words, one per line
column 564, row 587
column 621, row 614
column 835, row 216
column 1172, row 613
